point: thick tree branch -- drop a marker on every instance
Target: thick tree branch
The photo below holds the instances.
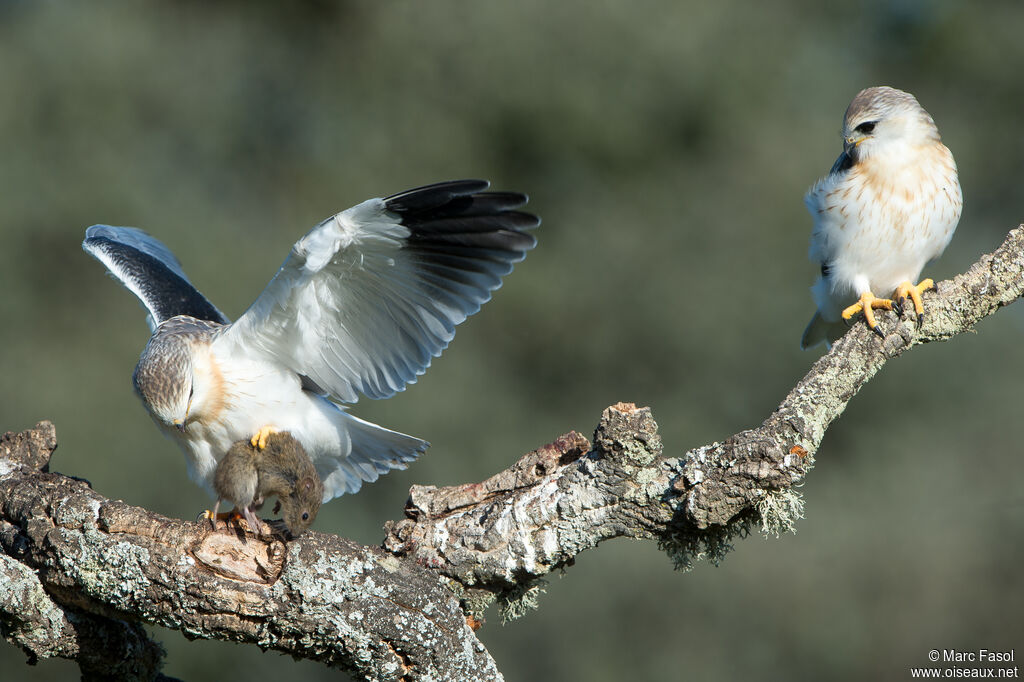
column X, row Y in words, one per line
column 69, row 554
column 105, row 648
column 564, row 498
column 324, row 598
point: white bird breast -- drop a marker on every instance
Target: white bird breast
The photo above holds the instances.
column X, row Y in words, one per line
column 247, row 395
column 877, row 228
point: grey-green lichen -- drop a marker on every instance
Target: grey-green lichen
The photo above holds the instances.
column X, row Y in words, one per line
column 474, row 600
column 686, row 548
column 115, row 570
column 522, row 599
column 779, row 512
column 28, row 617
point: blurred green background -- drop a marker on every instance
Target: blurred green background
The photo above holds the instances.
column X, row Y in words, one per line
column 667, row 146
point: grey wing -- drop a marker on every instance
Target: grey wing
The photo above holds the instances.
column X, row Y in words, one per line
column 149, row 270
column 369, row 296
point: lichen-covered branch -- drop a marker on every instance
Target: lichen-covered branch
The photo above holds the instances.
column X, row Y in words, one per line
column 105, row 648
column 400, row 612
column 324, row 598
column 568, row 496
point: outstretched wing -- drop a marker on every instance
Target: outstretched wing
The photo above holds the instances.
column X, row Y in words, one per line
column 369, row 296
column 150, row 271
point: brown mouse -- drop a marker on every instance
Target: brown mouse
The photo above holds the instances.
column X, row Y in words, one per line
column 247, row 475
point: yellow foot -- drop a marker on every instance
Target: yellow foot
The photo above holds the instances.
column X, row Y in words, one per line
column 214, row 517
column 259, row 440
column 908, row 290
column 867, row 304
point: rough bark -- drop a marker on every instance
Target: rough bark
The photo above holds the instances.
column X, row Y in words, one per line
column 407, row 610
column 568, row 496
column 324, row 598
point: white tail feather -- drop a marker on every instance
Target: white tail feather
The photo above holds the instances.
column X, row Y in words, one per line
column 375, row 451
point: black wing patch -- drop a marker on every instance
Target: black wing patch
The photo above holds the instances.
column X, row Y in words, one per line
column 148, row 270
column 463, row 236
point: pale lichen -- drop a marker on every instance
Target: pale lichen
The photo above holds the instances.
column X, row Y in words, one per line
column 7, row 466
column 29, row 617
column 474, row 601
column 779, row 512
column 522, row 599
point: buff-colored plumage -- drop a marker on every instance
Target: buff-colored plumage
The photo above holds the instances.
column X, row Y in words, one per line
column 889, row 205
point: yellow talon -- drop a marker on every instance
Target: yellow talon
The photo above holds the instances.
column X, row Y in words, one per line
column 867, row 304
column 214, row 517
column 259, row 439
column 907, row 290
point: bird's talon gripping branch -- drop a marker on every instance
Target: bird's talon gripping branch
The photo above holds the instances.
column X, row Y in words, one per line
column 867, row 304
column 235, row 516
column 259, row 439
column 215, row 516
column 908, row 290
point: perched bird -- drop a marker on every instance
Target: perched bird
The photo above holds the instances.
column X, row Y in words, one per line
column 361, row 305
column 247, row 475
column 889, row 205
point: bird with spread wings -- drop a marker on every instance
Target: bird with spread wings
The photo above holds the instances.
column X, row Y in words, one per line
column 361, row 305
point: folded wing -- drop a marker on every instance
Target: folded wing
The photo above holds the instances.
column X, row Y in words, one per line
column 369, row 296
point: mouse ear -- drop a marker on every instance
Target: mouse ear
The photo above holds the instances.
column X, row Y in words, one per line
column 306, row 484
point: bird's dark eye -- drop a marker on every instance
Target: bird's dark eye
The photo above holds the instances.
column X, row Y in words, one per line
column 866, row 127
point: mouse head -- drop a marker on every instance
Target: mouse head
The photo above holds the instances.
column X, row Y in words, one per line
column 299, row 508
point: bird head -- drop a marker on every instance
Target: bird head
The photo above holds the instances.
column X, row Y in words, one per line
column 163, row 379
column 885, row 119
column 176, row 377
